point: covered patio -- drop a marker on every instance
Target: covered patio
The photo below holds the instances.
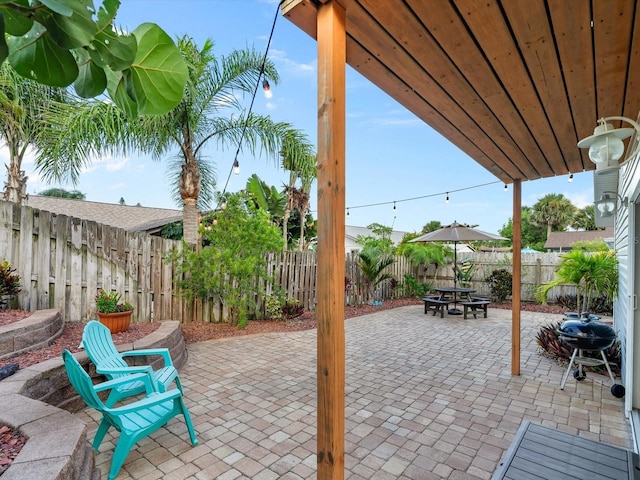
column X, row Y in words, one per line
column 426, row 398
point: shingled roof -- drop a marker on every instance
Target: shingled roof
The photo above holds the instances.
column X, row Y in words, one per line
column 128, row 217
column 563, row 240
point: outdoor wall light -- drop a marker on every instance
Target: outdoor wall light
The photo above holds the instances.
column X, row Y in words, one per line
column 606, row 146
column 607, row 206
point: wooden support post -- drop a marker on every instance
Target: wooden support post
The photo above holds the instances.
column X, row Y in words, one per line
column 517, row 277
column 331, row 237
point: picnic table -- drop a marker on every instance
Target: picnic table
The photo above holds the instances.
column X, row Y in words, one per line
column 445, row 296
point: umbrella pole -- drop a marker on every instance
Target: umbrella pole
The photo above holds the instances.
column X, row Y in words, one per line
column 455, row 310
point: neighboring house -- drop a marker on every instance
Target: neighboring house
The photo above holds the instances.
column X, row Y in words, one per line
column 563, row 241
column 128, row 217
column 351, row 234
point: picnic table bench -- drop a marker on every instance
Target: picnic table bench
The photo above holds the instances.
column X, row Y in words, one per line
column 475, row 305
column 436, row 304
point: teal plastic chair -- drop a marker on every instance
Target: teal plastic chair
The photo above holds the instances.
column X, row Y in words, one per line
column 134, row 420
column 97, row 342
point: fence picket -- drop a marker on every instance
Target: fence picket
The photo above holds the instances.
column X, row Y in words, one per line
column 63, row 261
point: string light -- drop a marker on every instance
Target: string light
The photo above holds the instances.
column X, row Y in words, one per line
column 223, row 203
column 267, row 88
column 570, row 178
column 506, row 187
column 347, row 213
column 431, row 195
column 394, row 206
column 447, row 199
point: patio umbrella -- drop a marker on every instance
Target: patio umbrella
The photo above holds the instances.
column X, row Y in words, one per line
column 456, row 232
column 529, row 250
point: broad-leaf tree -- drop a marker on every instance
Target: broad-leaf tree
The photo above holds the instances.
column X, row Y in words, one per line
column 532, row 235
column 232, row 266
column 62, row 193
column 63, row 42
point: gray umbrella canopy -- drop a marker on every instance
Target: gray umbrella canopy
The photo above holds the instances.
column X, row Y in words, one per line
column 456, row 232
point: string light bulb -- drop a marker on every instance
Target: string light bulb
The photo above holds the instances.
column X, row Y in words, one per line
column 506, row 187
column 267, row 88
column 223, row 202
column 236, row 166
column 570, row 179
column 215, row 219
column 394, row 206
column 447, row 199
column 347, row 212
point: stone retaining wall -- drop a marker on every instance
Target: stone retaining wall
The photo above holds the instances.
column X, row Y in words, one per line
column 38, row 402
column 36, row 331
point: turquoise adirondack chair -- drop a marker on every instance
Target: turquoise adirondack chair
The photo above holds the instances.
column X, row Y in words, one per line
column 133, row 420
column 97, row 342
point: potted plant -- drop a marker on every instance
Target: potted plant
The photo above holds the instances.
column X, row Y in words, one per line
column 112, row 313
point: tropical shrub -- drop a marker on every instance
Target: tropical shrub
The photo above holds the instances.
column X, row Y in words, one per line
column 414, row 288
column 500, row 284
column 372, row 264
column 593, row 274
column 9, row 280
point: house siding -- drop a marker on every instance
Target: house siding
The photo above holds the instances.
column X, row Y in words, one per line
column 629, row 186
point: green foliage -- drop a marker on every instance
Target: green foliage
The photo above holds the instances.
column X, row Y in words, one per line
column 500, row 284
column 532, row 235
column 9, row 280
column 109, row 302
column 592, row 274
column 585, row 218
column 600, row 304
column 62, row 193
column 590, row 246
column 553, row 211
column 464, row 271
column 379, row 243
column 61, row 42
column 273, row 307
column 413, row 288
column 233, row 264
column 372, row 263
column 172, row 231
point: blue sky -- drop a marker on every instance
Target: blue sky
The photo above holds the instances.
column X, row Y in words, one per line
column 391, row 154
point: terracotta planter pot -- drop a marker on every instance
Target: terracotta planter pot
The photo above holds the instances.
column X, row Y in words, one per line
column 116, row 322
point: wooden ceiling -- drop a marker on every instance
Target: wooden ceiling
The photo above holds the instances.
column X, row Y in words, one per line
column 514, row 83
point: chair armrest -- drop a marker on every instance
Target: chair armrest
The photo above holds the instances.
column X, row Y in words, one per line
column 144, row 370
column 164, row 352
column 146, row 402
column 116, row 382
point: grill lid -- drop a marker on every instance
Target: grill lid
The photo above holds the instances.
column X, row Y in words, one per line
column 585, row 326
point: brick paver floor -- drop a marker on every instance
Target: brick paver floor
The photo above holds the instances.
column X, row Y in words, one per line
column 426, row 398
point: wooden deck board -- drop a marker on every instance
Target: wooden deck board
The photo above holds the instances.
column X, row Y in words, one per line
column 541, row 453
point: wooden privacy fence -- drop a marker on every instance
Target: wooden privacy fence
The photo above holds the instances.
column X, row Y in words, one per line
column 63, row 261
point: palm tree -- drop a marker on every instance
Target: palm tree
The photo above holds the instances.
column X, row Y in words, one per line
column 372, row 264
column 210, row 110
column 585, row 219
column 307, row 176
column 298, row 158
column 553, row 211
column 592, row 274
column 24, row 107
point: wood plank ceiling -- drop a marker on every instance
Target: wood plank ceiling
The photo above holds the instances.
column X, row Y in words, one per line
column 514, row 83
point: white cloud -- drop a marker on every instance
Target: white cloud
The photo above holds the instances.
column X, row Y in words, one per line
column 280, row 56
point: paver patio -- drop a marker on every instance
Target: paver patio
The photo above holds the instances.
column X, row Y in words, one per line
column 426, row 398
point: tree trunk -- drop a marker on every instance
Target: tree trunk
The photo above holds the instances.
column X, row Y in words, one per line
column 15, row 188
column 189, row 192
column 190, row 222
